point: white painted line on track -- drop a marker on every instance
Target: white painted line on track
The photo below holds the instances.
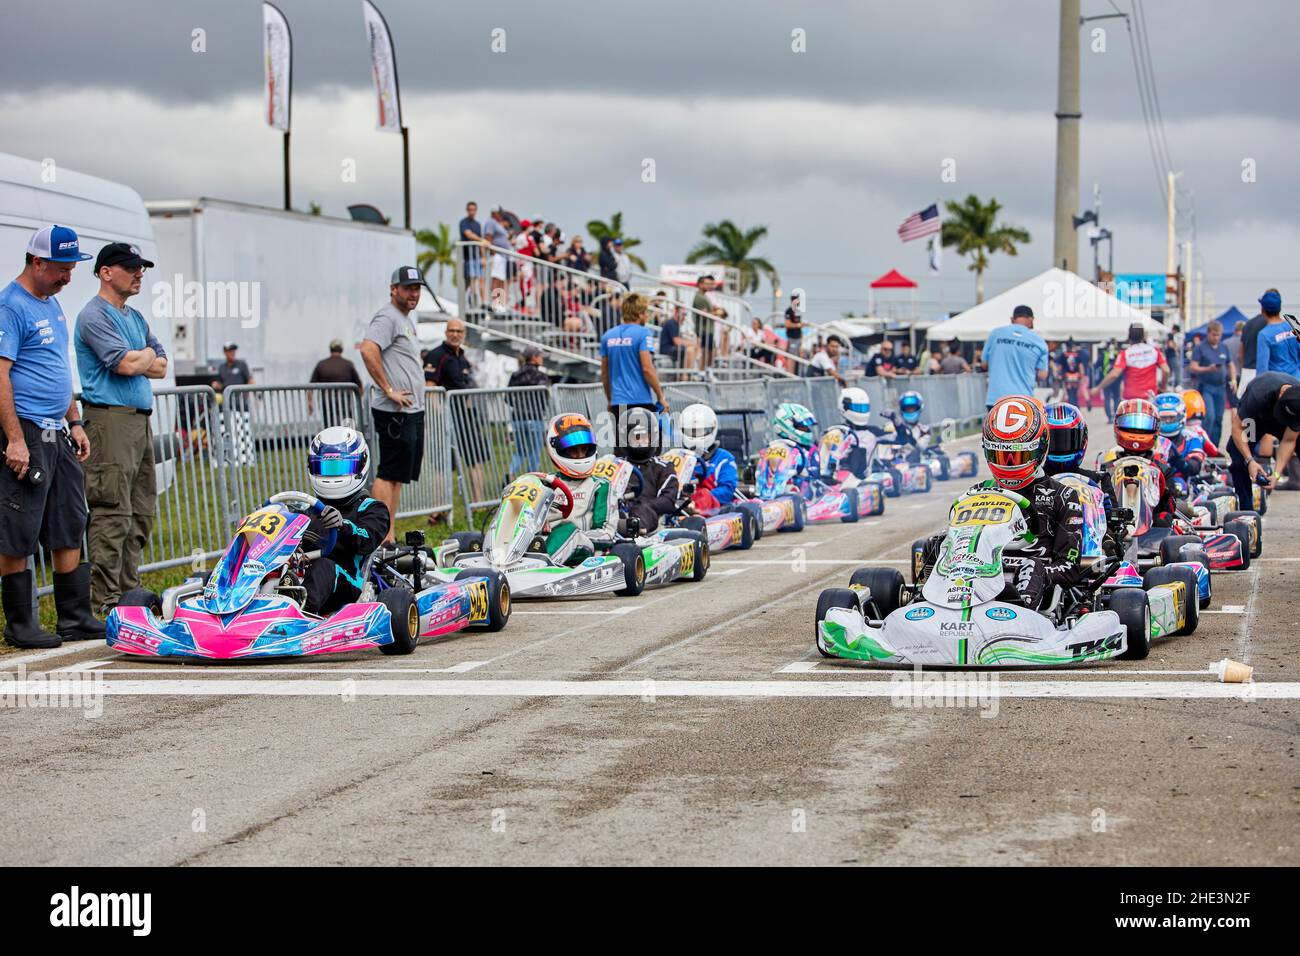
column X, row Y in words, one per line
column 70, row 648
column 922, row 689
column 794, row 560
column 625, row 609
column 1243, row 631
column 824, row 667
column 231, row 671
column 727, row 571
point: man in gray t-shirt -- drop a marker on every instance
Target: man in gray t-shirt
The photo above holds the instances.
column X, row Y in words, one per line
column 391, row 352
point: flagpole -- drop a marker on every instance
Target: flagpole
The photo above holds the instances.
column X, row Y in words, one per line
column 287, row 204
column 406, row 168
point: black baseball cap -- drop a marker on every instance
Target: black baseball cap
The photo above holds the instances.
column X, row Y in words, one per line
column 1022, row 311
column 1287, row 409
column 121, row 254
column 407, row 275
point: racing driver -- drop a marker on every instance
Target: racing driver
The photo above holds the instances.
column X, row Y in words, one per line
column 659, row 490
column 571, row 445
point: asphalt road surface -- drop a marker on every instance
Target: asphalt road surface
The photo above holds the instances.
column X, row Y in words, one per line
column 694, row 724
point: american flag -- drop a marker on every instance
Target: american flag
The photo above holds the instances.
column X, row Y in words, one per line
column 923, row 223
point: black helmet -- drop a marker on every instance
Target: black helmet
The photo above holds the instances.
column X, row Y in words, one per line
column 639, row 437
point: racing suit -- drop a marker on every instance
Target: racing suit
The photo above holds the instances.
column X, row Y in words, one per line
column 919, row 437
column 715, row 480
column 1163, row 512
column 593, row 520
column 333, row 581
column 659, row 494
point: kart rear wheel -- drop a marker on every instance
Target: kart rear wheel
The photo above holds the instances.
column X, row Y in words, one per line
column 1178, row 574
column 1250, row 516
column 1242, row 531
column 700, row 566
column 405, row 620
column 1196, row 552
column 633, row 568
column 1170, row 546
column 831, row 597
column 945, row 468
column 693, row 523
column 897, row 475
column 142, row 597
column 498, row 597
column 928, row 483
column 750, row 529
column 1135, row 614
column 880, row 499
column 918, row 558
column 797, row 524
column 755, row 512
column 851, row 499
column 886, row 587
column 468, row 540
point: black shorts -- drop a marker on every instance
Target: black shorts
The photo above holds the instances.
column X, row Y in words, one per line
column 52, row 512
column 401, row 445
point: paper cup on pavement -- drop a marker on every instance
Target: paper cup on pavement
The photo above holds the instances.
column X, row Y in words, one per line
column 1229, row 671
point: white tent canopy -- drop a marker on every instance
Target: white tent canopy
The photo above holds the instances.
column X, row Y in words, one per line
column 1065, row 306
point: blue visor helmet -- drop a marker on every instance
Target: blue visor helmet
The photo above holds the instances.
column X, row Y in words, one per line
column 1172, row 413
column 910, row 406
column 1067, row 435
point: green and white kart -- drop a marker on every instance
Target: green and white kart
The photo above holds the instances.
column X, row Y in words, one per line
column 955, row 619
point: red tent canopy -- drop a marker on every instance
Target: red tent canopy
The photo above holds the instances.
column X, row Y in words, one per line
column 893, row 279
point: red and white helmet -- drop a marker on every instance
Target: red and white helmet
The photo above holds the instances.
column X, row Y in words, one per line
column 1016, row 440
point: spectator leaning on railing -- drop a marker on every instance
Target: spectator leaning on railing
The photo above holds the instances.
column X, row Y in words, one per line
column 827, row 360
column 117, row 354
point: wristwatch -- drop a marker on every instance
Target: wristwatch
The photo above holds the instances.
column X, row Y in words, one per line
column 76, row 423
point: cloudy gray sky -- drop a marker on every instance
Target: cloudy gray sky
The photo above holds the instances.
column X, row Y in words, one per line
column 830, row 148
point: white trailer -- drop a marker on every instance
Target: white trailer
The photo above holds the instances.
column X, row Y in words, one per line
column 280, row 284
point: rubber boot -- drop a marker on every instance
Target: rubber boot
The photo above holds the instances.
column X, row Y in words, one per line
column 77, row 622
column 21, row 624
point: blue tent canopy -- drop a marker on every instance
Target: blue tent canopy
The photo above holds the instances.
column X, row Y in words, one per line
column 1228, row 320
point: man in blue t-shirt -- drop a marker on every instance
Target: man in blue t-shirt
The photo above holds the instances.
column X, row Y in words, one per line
column 41, row 480
column 1016, row 357
column 627, row 368
column 1276, row 349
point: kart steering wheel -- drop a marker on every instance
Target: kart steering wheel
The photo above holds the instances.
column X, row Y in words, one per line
column 554, row 482
column 304, row 504
column 640, row 483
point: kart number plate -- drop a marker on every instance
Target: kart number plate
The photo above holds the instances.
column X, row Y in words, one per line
column 982, row 511
column 478, row 601
column 265, row 523
column 605, row 469
column 523, row 491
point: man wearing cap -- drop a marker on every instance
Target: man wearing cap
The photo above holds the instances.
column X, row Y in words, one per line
column 1143, row 366
column 1016, row 357
column 335, row 370
column 117, row 354
column 41, row 483
column 528, row 410
column 235, row 371
column 1248, row 344
column 1276, row 348
column 391, row 353
column 1265, row 422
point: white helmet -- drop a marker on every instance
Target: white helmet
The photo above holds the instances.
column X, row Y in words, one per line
column 699, row 427
column 339, row 462
column 857, row 406
column 571, row 443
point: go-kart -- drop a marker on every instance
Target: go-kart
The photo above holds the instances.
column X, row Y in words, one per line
column 251, row 604
column 897, row 473
column 953, row 614
column 513, row 544
column 775, row 491
column 737, row 525
column 1226, row 547
column 840, row 495
column 964, row 464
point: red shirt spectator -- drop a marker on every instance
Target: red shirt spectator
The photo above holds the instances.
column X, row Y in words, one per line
column 1140, row 364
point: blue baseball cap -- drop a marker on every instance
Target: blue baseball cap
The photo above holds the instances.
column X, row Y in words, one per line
column 1270, row 301
column 56, row 244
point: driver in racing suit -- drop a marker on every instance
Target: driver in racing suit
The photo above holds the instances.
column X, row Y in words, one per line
column 1015, row 448
column 1136, row 430
column 909, row 432
column 660, row 491
column 861, row 439
column 796, row 425
column 715, row 475
column 339, row 461
column 593, row 520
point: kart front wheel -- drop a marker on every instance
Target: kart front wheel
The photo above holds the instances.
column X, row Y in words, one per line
column 750, row 529
column 498, row 597
column 755, row 511
column 1178, row 574
column 405, row 620
column 831, row 597
column 468, row 540
column 897, row 475
column 633, row 568
column 1135, row 614
column 1250, row 517
column 1242, row 532
column 885, row 585
column 142, row 597
column 1171, row 546
column 928, row 482
column 700, row 545
column 693, row 523
column 851, row 500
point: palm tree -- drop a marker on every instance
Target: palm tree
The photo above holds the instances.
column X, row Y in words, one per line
column 971, row 228
column 725, row 244
column 439, row 250
column 614, row 230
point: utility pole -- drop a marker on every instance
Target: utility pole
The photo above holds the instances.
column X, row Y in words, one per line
column 1169, row 257
column 1200, row 298
column 1065, row 249
column 1185, row 292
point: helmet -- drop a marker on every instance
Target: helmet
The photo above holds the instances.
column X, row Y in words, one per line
column 1067, row 435
column 1136, row 424
column 1194, row 403
column 1015, row 440
column 699, row 427
column 571, row 443
column 639, row 432
column 857, row 407
column 1172, row 413
column 910, row 405
column 339, row 462
column 794, row 422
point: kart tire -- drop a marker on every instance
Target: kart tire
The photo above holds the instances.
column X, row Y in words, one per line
column 797, row 524
column 468, row 540
column 928, row 483
column 694, row 523
column 945, row 469
column 831, row 597
column 1242, row 531
column 851, row 498
column 750, row 529
column 701, row 562
column 633, row 568
column 755, row 512
column 880, row 496
column 1221, row 491
column 499, row 604
column 886, row 586
column 1174, row 575
column 1259, row 526
column 405, row 620
column 918, row 558
column 1196, row 552
column 1170, row 546
column 142, row 597
column 898, row 483
column 1135, row 614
